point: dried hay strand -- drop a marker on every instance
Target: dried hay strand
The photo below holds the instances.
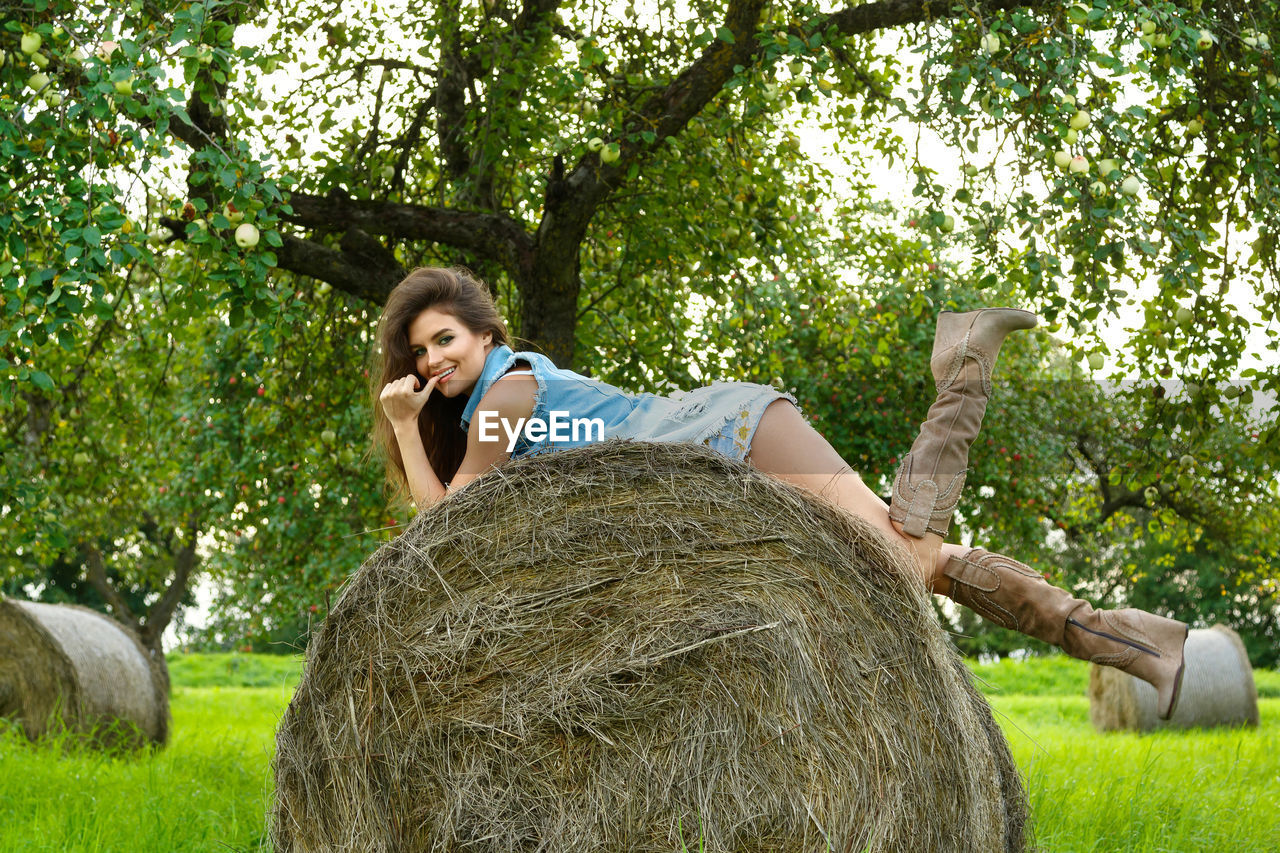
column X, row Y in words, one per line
column 1217, row 689
column 639, row 647
column 68, row 666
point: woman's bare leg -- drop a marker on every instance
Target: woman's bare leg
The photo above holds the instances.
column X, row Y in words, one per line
column 787, row 447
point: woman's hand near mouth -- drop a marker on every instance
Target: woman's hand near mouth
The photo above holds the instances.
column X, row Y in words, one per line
column 403, row 401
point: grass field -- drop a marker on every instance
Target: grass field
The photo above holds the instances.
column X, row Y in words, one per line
column 210, row 789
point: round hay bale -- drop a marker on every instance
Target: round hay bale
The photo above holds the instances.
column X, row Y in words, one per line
column 63, row 665
column 641, row 647
column 1217, row 689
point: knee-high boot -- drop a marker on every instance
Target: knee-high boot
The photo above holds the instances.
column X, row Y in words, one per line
column 927, row 486
column 1014, row 595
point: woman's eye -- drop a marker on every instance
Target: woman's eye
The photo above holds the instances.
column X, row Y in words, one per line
column 445, row 340
column 419, row 352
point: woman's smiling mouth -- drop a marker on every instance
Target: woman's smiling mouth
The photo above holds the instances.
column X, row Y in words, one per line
column 444, row 375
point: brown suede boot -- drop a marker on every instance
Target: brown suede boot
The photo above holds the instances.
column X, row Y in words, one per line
column 1015, row 596
column 928, row 484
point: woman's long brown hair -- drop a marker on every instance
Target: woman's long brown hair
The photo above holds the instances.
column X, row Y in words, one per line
column 459, row 293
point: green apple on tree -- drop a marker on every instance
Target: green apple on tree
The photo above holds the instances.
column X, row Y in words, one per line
column 1130, row 185
column 246, row 235
column 610, row 153
column 30, row 42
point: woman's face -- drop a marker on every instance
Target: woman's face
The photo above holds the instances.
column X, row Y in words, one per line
column 443, row 346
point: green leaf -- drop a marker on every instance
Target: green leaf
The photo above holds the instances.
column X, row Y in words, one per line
column 42, row 380
column 726, row 35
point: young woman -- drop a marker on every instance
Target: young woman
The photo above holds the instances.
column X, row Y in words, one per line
column 453, row 401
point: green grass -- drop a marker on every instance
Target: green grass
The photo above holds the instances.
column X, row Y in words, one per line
column 234, row 670
column 209, row 790
column 1164, row 791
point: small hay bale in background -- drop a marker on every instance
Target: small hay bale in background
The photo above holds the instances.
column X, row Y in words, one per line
column 73, row 664
column 1217, row 689
column 639, row 647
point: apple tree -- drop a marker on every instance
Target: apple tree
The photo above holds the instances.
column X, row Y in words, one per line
column 632, row 181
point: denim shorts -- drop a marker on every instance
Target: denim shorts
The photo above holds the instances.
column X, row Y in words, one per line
column 733, row 439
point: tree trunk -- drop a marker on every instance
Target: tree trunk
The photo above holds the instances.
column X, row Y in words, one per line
column 549, row 301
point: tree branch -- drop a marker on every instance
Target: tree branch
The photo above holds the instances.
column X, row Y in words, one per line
column 161, row 613
column 869, row 17
column 494, row 236
column 664, row 114
column 450, row 96
column 336, row 267
column 97, row 577
column 686, row 96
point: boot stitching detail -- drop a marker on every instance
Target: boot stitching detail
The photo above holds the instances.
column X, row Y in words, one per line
column 1117, row 659
column 972, row 574
column 977, row 601
column 1118, row 622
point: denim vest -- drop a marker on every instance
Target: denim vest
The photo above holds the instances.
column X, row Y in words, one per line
column 563, row 396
